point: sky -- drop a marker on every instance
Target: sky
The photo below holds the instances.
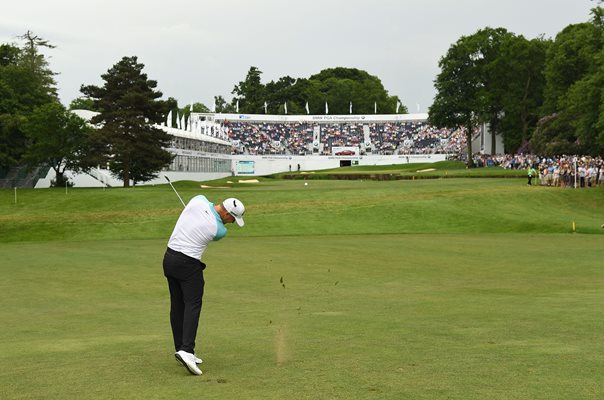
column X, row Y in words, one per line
column 198, row 49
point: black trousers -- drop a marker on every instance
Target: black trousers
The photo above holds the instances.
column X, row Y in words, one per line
column 185, row 281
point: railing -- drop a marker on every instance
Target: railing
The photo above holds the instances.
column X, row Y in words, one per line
column 20, row 177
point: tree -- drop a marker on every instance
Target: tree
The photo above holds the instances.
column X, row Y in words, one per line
column 570, row 57
column 554, row 136
column 250, row 93
column 82, row 103
column 189, row 108
column 171, row 110
column 336, row 86
column 26, row 82
column 222, row 106
column 128, row 106
column 341, row 86
column 574, row 101
column 457, row 90
column 492, row 77
column 281, row 91
column 59, row 139
column 42, row 84
column 524, row 83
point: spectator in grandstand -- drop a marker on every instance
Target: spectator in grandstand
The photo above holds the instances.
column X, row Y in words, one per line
column 199, row 223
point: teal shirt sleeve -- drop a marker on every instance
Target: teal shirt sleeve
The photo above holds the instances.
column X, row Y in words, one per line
column 221, row 230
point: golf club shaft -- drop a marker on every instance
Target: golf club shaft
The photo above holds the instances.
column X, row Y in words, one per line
column 173, row 188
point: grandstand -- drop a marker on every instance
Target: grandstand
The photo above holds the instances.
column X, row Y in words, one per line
column 381, row 135
column 211, row 146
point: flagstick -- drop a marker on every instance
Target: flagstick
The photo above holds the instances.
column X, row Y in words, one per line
column 15, row 195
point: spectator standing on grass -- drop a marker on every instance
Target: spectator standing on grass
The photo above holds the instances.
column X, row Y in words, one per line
column 200, row 223
column 556, row 175
column 591, row 175
column 531, row 173
column 543, row 175
column 564, row 176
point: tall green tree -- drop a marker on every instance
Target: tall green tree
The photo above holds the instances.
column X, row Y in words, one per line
column 281, row 91
column 524, row 82
column 223, row 107
column 457, row 101
column 26, row 82
column 129, row 106
column 171, row 110
column 341, row 86
column 250, row 93
column 58, row 138
column 574, row 100
column 570, row 57
column 42, row 82
column 494, row 77
column 336, row 86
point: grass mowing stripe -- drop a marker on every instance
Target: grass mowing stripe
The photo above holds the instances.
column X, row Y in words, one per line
column 396, row 316
column 324, row 207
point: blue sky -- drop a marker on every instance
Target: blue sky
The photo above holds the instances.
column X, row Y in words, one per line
column 199, row 49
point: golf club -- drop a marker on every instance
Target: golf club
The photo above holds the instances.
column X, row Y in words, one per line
column 180, row 198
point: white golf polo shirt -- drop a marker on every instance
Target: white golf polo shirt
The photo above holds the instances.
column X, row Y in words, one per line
column 197, row 226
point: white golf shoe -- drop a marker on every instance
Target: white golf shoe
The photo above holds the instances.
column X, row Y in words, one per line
column 188, row 360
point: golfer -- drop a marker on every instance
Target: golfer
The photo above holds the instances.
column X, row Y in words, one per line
column 199, row 223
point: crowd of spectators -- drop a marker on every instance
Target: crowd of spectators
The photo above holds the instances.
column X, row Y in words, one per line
column 268, row 138
column 383, row 138
column 562, row 171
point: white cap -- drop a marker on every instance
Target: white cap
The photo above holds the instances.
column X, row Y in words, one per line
column 235, row 208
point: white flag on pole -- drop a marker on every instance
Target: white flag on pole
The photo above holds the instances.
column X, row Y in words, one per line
column 398, row 104
column 307, row 110
column 285, row 106
column 214, row 107
column 375, row 107
column 237, row 106
column 351, row 107
column 326, row 108
column 169, row 119
column 265, row 108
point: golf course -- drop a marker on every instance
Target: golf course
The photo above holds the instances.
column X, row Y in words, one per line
column 447, row 288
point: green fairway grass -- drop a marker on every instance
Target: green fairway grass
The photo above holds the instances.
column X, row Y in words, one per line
column 428, row 289
column 440, row 169
column 288, row 207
